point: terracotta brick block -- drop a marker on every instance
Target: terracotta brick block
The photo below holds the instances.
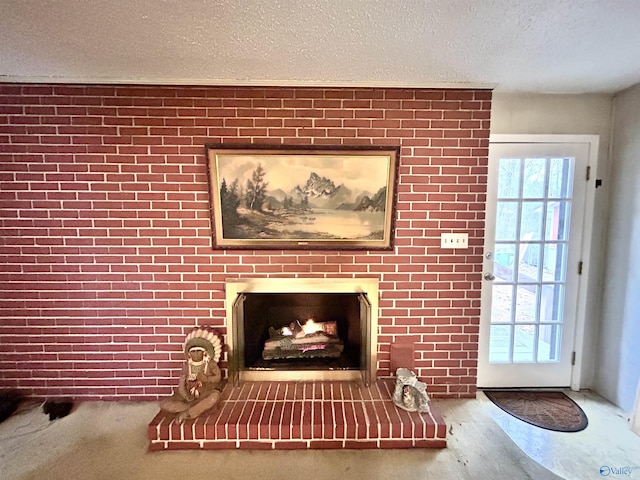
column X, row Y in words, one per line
column 328, row 420
column 350, row 420
column 181, row 445
column 291, row 445
column 252, row 445
column 362, row 425
column 373, row 430
column 430, row 444
column 396, row 443
column 264, row 425
column 402, row 356
column 296, row 421
column 360, row 444
column 339, row 427
column 325, row 444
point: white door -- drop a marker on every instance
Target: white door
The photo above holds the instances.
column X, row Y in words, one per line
column 536, row 202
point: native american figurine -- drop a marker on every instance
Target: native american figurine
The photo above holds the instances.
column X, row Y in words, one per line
column 201, row 382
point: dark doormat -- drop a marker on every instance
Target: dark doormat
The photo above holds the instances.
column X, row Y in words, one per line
column 550, row 410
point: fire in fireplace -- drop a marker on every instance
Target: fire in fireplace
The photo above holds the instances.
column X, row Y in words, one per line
column 302, row 329
column 306, row 340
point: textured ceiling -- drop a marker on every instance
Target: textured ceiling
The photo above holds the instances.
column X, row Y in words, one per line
column 555, row 46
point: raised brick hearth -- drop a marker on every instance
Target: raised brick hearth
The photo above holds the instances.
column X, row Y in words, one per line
column 302, row 415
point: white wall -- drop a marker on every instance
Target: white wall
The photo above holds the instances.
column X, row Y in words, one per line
column 569, row 114
column 619, row 346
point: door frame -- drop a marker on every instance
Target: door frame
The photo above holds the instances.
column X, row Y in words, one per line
column 593, row 142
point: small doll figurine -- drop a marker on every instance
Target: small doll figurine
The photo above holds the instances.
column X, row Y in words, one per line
column 200, row 387
column 410, row 394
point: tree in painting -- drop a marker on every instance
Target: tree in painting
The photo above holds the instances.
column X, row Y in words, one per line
column 229, row 203
column 256, row 189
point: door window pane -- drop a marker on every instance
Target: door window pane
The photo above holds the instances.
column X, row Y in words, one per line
column 534, row 178
column 506, row 221
column 558, row 216
column 500, row 344
column 504, row 262
column 524, row 343
column 530, row 262
column 552, row 303
column 501, row 304
column 555, row 262
column 526, row 304
column 560, row 177
column 532, row 215
column 509, row 178
column 549, row 343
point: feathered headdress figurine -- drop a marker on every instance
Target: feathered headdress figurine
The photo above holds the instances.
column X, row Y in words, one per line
column 200, row 347
column 205, row 339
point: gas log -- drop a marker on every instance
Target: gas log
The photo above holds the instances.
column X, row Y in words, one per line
column 308, row 340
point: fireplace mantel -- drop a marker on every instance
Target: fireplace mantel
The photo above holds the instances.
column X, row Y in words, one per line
column 236, row 287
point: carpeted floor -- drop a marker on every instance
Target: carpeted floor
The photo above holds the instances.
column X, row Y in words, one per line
column 105, row 441
column 545, row 409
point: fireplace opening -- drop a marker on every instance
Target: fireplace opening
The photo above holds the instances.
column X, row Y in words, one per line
column 277, row 333
column 270, row 335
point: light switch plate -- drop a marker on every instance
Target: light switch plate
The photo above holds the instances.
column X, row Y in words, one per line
column 454, row 240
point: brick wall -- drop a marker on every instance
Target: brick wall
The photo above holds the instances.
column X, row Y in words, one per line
column 105, row 242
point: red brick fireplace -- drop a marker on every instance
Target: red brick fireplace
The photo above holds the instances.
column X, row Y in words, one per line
column 302, row 403
column 106, row 254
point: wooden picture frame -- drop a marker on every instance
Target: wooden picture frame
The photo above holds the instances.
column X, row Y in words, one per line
column 290, row 197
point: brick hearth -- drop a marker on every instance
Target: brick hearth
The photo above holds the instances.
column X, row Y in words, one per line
column 302, row 415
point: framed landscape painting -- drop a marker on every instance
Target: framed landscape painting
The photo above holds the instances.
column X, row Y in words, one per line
column 280, row 197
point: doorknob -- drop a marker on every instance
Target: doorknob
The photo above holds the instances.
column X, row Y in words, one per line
column 489, row 276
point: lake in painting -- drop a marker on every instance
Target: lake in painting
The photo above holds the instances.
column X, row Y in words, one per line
column 334, row 224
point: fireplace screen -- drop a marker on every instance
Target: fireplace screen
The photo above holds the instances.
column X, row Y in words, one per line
column 297, row 332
